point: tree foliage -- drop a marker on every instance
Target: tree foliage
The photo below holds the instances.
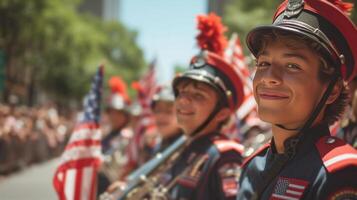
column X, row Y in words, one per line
column 242, row 16
column 50, row 47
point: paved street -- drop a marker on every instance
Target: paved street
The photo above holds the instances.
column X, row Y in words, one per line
column 34, row 183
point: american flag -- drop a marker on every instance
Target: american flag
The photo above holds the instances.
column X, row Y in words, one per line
column 146, row 88
column 289, row 188
column 75, row 177
column 234, row 55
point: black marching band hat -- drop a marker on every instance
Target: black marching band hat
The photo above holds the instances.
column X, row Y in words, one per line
column 210, row 67
column 163, row 93
column 323, row 21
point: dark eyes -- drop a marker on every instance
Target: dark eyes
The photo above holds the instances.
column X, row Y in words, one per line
column 262, row 64
column 290, row 66
column 293, row 66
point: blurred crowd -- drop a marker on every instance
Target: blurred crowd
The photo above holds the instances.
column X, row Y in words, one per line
column 31, row 135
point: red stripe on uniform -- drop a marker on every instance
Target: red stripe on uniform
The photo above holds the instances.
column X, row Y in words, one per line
column 246, row 161
column 227, row 145
column 329, row 150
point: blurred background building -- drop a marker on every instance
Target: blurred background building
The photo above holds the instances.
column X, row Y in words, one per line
column 217, row 6
column 105, row 9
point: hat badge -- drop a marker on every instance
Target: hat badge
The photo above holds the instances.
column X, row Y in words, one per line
column 200, row 61
column 293, row 8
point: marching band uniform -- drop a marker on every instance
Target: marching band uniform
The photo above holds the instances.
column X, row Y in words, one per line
column 314, row 165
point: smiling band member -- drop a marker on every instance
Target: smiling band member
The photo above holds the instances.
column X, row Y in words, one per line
column 206, row 95
column 304, row 60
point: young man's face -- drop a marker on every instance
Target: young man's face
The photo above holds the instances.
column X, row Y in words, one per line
column 165, row 118
column 117, row 118
column 286, row 84
column 194, row 103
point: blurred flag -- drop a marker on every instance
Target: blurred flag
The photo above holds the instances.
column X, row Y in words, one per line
column 246, row 115
column 146, row 88
column 234, row 55
column 75, row 177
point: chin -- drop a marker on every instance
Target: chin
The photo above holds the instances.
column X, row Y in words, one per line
column 270, row 117
column 187, row 131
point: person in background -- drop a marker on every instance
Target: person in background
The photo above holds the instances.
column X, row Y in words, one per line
column 165, row 118
column 347, row 127
column 116, row 140
column 206, row 95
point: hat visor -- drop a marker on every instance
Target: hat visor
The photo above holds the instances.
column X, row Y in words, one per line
column 194, row 77
column 256, row 36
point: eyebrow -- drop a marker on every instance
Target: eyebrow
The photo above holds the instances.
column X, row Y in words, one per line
column 203, row 87
column 287, row 55
column 295, row 55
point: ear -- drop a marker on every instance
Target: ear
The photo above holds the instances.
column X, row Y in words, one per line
column 337, row 88
column 223, row 114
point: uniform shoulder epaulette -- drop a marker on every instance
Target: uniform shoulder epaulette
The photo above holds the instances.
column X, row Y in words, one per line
column 262, row 148
column 224, row 145
column 335, row 153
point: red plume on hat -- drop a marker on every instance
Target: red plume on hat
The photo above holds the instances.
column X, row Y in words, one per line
column 211, row 36
column 210, row 66
column 118, row 86
column 343, row 6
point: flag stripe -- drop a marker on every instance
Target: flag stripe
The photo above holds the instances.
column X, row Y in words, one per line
column 296, row 186
column 79, row 163
column 62, row 192
column 69, row 184
column 93, row 185
column 294, row 192
column 78, row 186
column 83, row 134
column 83, row 143
column 81, row 153
column 86, row 182
column 87, row 125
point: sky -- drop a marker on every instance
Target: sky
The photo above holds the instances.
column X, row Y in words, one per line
column 166, row 30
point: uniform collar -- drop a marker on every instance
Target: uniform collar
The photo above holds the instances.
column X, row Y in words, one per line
column 308, row 141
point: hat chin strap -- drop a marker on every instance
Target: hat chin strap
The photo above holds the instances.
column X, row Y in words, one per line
column 288, row 129
column 205, row 123
column 316, row 111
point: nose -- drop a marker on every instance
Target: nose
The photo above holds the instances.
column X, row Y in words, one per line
column 183, row 98
column 272, row 76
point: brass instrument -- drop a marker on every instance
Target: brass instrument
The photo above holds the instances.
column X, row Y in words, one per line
column 145, row 180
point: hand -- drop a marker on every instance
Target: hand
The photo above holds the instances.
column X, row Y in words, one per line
column 117, row 185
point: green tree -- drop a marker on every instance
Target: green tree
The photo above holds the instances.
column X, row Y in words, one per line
column 50, row 47
column 242, row 16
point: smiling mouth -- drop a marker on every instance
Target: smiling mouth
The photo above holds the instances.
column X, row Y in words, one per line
column 184, row 112
column 272, row 96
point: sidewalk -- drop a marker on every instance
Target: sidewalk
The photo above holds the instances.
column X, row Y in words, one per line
column 34, row 183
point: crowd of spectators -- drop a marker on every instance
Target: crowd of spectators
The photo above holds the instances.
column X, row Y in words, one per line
column 31, row 135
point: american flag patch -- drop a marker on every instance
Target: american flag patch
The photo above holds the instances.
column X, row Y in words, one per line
column 289, row 189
